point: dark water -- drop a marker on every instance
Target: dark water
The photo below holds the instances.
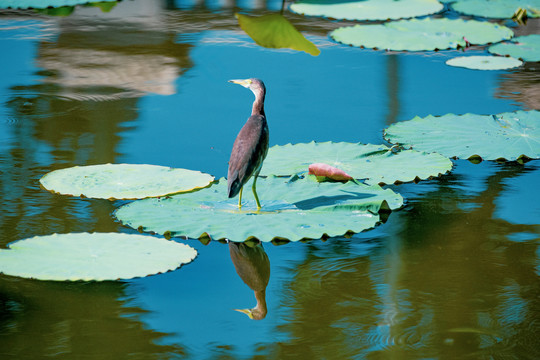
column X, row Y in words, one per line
column 454, row 275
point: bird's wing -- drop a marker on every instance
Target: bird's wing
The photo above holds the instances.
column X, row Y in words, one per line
column 248, row 152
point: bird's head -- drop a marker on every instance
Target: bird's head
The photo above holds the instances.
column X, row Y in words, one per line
column 254, row 314
column 252, row 84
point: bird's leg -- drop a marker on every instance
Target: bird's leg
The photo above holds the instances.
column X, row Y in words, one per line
column 254, row 188
column 240, row 198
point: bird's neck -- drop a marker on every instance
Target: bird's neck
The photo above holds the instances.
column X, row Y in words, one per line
column 258, row 104
column 259, row 312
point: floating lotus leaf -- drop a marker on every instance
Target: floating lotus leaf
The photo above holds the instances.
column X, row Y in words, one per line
column 291, row 208
column 42, row 4
column 498, row 9
column 367, row 9
column 97, row 256
column 485, row 62
column 123, row 181
column 276, row 32
column 375, row 163
column 508, row 136
column 425, row 34
column 525, row 47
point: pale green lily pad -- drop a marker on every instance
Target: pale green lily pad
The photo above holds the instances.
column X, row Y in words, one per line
column 41, row 4
column 498, row 9
column 293, row 209
column 419, row 35
column 375, row 163
column 276, row 32
column 485, row 62
column 97, row 256
column 508, row 136
column 123, row 181
column 367, row 9
column 525, row 47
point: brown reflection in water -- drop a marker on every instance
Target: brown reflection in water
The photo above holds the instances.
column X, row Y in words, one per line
column 73, row 318
column 253, row 266
column 93, row 71
column 448, row 285
column 521, row 85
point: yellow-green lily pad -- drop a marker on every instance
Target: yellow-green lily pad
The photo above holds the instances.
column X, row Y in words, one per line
column 123, row 181
column 293, row 209
column 276, row 32
column 93, row 257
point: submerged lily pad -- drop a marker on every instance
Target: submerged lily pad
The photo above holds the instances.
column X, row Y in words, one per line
column 97, row 256
column 525, row 47
column 276, row 32
column 498, row 9
column 367, row 9
column 374, row 163
column 42, row 4
column 419, row 35
column 508, row 136
column 293, row 209
column 485, row 62
column 123, row 181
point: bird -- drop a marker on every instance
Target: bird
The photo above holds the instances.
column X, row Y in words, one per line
column 251, row 145
column 253, row 267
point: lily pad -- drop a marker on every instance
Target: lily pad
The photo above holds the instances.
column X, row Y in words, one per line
column 525, row 47
column 498, row 9
column 123, row 181
column 97, row 256
column 508, row 136
column 276, row 32
column 292, row 209
column 425, row 34
column 377, row 164
column 367, row 9
column 485, row 62
column 41, row 4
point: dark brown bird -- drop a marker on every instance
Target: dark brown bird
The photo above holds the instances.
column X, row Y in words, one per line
column 250, row 146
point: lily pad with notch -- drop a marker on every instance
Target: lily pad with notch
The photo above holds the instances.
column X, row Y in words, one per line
column 525, row 47
column 367, row 9
column 507, row 136
column 421, row 35
column 376, row 164
column 294, row 209
column 496, row 9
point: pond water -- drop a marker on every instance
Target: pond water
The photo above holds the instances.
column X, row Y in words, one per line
column 455, row 274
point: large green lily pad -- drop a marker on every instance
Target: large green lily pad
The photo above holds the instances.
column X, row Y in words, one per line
column 293, row 209
column 484, row 62
column 525, row 47
column 367, row 9
column 498, row 9
column 375, row 163
column 508, row 136
column 42, row 4
column 276, row 32
column 419, row 35
column 123, row 181
column 97, row 256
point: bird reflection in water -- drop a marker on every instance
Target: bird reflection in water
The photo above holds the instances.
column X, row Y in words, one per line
column 253, row 267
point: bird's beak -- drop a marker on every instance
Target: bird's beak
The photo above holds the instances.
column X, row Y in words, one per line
column 245, row 83
column 246, row 311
